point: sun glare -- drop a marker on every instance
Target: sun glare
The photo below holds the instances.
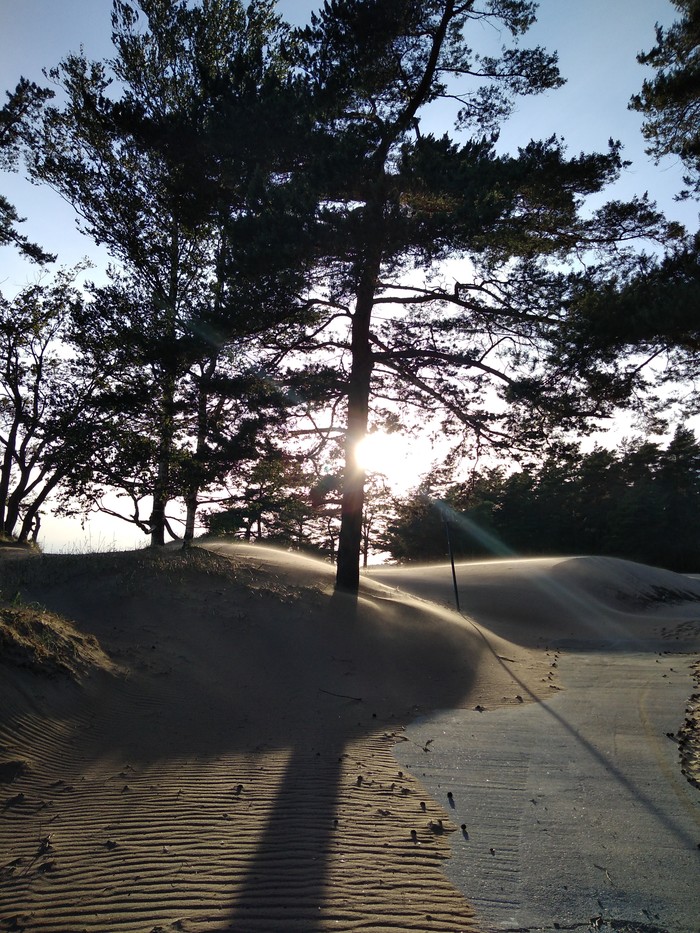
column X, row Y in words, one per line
column 398, row 458
column 371, row 452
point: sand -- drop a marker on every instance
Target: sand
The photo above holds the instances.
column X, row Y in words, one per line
column 232, row 762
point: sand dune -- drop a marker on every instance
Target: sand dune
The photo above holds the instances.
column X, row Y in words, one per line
column 577, row 601
column 236, row 769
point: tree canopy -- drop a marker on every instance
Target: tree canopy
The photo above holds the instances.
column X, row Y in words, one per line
column 22, row 105
column 644, row 311
column 135, row 144
column 290, row 242
column 640, row 502
column 393, row 200
column 670, row 101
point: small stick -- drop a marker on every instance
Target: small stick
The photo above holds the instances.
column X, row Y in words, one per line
column 345, row 696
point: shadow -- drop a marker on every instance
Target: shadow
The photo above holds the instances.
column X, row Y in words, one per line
column 247, row 689
column 344, row 605
column 581, row 604
column 295, row 845
column 632, row 788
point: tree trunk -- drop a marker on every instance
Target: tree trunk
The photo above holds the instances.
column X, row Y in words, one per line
column 36, row 527
column 331, row 541
column 32, row 520
column 161, row 486
column 350, row 539
column 191, row 504
column 14, row 501
column 6, row 472
column 192, row 493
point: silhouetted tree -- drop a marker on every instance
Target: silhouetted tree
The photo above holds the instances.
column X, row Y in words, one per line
column 48, row 421
column 679, row 481
column 134, row 146
column 670, row 101
column 635, row 330
column 22, row 106
column 640, row 502
column 392, row 199
column 273, row 504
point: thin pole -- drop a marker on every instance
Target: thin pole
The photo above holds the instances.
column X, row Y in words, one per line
column 452, row 561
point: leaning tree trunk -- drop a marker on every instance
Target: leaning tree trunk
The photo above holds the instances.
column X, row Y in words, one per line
column 22, row 488
column 6, row 473
column 31, row 519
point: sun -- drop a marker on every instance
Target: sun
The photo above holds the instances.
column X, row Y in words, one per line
column 371, row 452
column 400, row 459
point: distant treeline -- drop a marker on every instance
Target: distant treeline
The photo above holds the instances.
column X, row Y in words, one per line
column 641, row 502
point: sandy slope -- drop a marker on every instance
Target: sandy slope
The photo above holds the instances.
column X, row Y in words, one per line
column 574, row 600
column 240, row 773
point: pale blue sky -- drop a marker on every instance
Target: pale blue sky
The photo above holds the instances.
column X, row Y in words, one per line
column 597, row 41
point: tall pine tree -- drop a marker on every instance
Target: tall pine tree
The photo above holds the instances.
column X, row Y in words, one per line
column 393, row 200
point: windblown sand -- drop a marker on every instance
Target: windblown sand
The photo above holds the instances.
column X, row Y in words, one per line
column 230, row 766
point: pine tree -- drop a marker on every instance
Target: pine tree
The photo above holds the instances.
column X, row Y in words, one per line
column 136, row 147
column 393, row 199
column 670, row 101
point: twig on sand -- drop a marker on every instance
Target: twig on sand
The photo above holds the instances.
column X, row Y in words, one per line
column 345, row 696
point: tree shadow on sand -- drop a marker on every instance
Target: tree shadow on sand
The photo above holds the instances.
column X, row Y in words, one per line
column 240, row 671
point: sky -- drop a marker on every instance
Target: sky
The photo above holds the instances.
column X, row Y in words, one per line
column 597, row 42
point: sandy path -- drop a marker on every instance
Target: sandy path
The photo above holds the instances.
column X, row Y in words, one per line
column 576, row 812
column 240, row 842
column 580, row 798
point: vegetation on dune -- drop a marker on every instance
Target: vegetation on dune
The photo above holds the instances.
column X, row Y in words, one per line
column 43, row 642
column 124, row 566
column 641, row 503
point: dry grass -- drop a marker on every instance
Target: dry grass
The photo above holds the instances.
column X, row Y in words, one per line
column 41, row 641
column 126, row 566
